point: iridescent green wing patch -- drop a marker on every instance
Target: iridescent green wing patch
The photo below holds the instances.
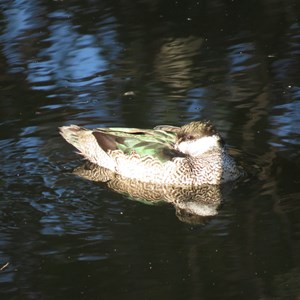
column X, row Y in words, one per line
column 155, row 143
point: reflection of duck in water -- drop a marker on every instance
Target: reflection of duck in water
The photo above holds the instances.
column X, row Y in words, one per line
column 193, row 204
column 193, row 154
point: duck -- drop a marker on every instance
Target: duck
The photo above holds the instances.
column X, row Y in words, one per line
column 190, row 155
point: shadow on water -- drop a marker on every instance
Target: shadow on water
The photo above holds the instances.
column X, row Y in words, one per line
column 140, row 64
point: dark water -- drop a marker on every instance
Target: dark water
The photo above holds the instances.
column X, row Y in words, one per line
column 144, row 63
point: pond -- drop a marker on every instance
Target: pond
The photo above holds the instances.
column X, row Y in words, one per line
column 142, row 64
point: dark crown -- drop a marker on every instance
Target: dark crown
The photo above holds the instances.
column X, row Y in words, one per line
column 196, row 130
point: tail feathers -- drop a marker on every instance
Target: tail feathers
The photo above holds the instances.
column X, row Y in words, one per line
column 86, row 144
column 79, row 137
column 71, row 134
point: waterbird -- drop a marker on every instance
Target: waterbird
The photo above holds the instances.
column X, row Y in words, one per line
column 193, row 154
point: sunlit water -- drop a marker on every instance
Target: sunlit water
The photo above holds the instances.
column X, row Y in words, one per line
column 143, row 64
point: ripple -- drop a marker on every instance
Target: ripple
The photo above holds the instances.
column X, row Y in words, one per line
column 285, row 125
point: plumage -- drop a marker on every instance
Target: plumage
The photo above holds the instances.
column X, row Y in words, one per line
column 193, row 154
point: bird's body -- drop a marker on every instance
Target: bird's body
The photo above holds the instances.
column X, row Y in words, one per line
column 193, row 154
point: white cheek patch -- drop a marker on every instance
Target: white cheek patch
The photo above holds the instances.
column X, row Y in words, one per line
column 199, row 146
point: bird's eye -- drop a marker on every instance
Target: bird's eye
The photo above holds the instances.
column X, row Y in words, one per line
column 189, row 137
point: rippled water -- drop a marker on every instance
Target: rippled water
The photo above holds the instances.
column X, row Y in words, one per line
column 141, row 64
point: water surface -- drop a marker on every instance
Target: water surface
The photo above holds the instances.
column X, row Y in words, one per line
column 141, row 64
